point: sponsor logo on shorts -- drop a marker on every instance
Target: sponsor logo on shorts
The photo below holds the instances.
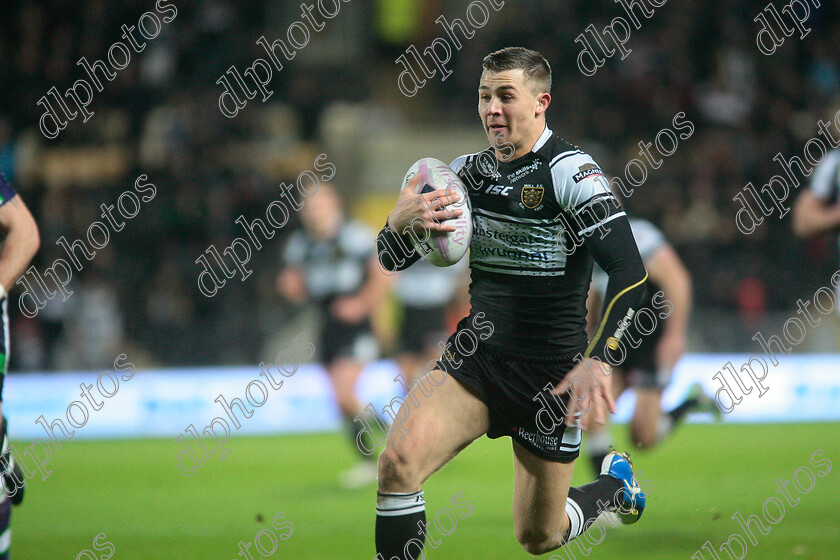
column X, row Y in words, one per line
column 546, row 443
column 587, row 170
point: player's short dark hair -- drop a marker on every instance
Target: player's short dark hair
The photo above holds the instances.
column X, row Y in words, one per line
column 535, row 67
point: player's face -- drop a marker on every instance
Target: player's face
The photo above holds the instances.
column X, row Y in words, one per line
column 511, row 112
column 321, row 214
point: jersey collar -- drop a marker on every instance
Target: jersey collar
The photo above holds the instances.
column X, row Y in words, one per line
column 542, row 139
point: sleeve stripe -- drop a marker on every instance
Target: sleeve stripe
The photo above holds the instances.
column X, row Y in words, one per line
column 593, row 200
column 564, row 155
column 599, row 224
column 606, row 316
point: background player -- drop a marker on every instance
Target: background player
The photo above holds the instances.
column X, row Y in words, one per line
column 331, row 261
column 529, row 289
column 20, row 244
column 647, row 368
column 817, row 209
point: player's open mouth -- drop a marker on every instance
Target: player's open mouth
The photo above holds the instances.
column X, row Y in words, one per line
column 496, row 127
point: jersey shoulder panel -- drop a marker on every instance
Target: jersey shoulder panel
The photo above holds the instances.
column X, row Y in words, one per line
column 575, row 175
column 459, row 162
column 357, row 238
column 825, row 183
column 295, row 250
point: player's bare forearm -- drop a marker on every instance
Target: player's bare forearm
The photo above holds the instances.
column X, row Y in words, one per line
column 21, row 242
column 667, row 270
column 376, row 287
column 812, row 216
column 593, row 309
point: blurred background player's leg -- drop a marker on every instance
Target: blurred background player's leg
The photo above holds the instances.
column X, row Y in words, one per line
column 649, row 425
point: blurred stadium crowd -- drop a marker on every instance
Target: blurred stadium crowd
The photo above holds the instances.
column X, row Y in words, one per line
column 160, row 116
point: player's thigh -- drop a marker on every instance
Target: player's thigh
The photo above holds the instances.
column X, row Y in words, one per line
column 540, row 489
column 648, row 408
column 431, row 427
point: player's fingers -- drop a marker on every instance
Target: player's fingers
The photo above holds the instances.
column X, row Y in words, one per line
column 563, row 387
column 439, row 225
column 597, row 410
column 447, row 192
column 608, row 398
column 413, row 182
column 448, row 214
column 572, row 410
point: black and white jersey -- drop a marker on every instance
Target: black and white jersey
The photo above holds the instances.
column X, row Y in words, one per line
column 648, row 239
column 332, row 267
column 530, row 270
column 825, row 182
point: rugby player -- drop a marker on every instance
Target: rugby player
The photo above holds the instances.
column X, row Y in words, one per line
column 331, row 261
column 20, row 244
column 817, row 210
column 542, row 211
column 653, row 352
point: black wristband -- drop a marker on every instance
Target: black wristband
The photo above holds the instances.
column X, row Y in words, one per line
column 395, row 251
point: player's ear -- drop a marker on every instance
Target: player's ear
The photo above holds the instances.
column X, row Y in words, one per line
column 543, row 101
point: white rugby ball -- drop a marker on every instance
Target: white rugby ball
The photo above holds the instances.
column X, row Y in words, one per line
column 447, row 247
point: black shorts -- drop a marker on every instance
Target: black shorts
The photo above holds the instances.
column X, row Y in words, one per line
column 422, row 328
column 639, row 368
column 511, row 389
column 347, row 340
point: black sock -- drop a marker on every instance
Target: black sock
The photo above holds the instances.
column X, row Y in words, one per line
column 597, row 459
column 400, row 523
column 585, row 503
column 678, row 413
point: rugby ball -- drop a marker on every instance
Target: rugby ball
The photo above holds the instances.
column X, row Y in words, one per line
column 448, row 247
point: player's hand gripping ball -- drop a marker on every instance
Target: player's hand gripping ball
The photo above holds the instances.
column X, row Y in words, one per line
column 442, row 248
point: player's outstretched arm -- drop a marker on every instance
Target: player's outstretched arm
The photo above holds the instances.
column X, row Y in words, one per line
column 813, row 216
column 20, row 244
column 667, row 270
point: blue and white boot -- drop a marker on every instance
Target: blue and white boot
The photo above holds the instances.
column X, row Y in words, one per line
column 631, row 499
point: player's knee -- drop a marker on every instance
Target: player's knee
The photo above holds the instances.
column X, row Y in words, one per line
column 644, row 438
column 397, row 470
column 535, row 541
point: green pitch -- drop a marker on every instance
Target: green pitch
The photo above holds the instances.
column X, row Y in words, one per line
column 133, row 492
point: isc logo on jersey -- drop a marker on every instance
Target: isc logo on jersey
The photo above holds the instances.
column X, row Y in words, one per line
column 498, row 189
